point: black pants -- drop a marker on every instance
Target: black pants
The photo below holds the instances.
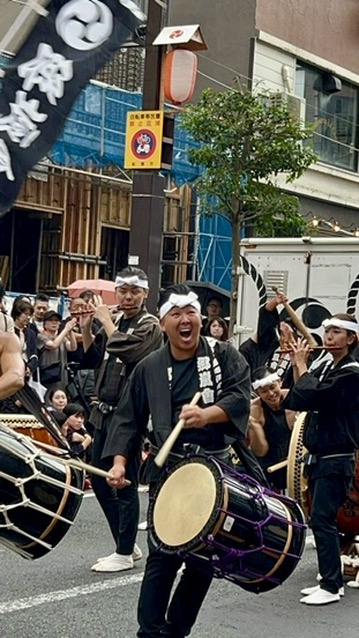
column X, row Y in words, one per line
column 121, row 507
column 328, row 493
column 155, row 617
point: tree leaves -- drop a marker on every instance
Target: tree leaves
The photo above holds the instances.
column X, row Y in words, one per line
column 245, row 141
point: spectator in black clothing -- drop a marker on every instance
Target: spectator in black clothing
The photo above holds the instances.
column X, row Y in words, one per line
column 74, row 430
column 214, row 307
column 41, row 306
column 217, row 328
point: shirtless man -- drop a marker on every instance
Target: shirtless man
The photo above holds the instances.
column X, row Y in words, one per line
column 12, row 368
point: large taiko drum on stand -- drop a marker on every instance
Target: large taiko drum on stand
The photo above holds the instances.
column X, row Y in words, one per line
column 39, row 496
column 28, row 425
column 209, row 513
column 348, row 515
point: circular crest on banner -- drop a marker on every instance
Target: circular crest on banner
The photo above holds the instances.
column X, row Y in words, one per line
column 143, row 144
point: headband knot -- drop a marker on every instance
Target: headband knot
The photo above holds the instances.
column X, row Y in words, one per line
column 180, row 301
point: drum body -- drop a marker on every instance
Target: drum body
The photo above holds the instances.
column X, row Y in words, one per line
column 39, row 496
column 28, row 425
column 348, row 514
column 225, row 521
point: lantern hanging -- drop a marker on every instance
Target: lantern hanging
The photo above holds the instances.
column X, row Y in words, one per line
column 180, row 74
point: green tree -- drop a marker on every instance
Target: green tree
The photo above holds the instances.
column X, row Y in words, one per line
column 244, row 141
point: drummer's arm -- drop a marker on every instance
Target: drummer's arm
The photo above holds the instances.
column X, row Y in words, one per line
column 11, row 365
column 257, row 439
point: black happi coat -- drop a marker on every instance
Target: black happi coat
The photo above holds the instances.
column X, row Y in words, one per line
column 333, row 403
column 148, row 396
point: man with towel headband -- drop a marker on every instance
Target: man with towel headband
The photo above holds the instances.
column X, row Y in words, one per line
column 162, row 386
column 331, row 396
column 118, row 346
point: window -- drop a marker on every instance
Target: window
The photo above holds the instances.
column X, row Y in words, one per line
column 332, row 114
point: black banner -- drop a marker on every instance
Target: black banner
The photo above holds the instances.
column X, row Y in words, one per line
column 62, row 53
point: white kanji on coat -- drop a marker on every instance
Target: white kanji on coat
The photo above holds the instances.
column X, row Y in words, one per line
column 5, row 161
column 203, row 363
column 207, row 396
column 20, row 123
column 205, row 379
column 49, row 70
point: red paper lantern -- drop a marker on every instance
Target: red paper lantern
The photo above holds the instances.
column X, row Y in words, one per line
column 180, row 73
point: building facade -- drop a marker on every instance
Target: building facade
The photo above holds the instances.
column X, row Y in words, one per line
column 309, row 53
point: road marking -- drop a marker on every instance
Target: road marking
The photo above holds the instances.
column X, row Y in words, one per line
column 63, row 594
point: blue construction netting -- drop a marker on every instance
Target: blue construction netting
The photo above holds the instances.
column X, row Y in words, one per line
column 214, row 257
column 95, row 133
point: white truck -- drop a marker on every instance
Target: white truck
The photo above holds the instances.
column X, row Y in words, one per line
column 319, row 275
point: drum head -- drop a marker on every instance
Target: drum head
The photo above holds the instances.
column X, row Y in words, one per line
column 184, row 504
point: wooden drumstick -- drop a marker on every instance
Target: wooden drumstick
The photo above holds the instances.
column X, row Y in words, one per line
column 297, row 322
column 166, row 448
column 78, row 464
column 277, row 466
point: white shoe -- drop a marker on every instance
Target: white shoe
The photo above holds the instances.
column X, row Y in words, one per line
column 307, row 591
column 143, row 526
column 109, row 557
column 320, row 597
column 118, row 563
column 137, row 555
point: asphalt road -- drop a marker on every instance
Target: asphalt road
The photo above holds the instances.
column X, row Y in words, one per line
column 58, row 596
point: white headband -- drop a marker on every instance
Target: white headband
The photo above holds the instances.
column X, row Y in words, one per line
column 341, row 323
column 134, row 280
column 180, row 301
column 268, row 380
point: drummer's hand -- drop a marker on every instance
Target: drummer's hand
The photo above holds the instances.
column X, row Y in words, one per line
column 116, row 476
column 194, row 416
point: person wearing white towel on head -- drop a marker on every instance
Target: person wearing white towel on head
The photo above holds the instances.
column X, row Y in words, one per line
column 330, row 394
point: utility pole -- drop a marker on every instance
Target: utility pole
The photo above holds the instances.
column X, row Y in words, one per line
column 148, row 199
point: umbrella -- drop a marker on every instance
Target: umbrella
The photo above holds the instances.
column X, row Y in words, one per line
column 102, row 287
column 205, row 290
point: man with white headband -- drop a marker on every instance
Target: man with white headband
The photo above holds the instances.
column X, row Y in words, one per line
column 270, row 425
column 119, row 345
column 162, row 386
column 330, row 394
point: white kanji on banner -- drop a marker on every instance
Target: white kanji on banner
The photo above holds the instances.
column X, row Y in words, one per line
column 20, row 123
column 49, row 70
column 84, row 24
